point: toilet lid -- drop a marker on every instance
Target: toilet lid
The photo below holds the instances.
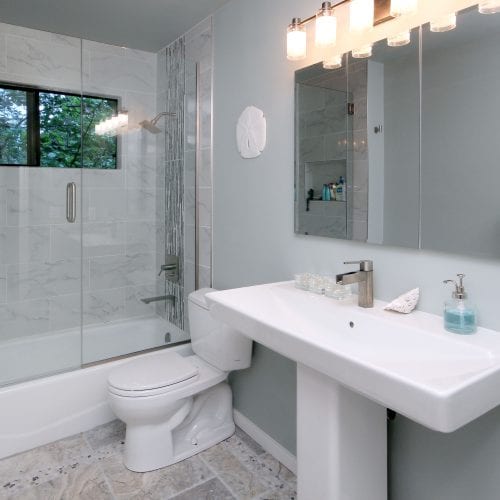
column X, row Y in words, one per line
column 198, row 297
column 152, row 372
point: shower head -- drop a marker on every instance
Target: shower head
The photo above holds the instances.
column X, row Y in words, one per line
column 150, row 125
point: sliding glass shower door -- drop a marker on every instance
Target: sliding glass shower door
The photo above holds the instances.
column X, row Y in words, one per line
column 132, row 255
column 40, row 202
column 92, row 214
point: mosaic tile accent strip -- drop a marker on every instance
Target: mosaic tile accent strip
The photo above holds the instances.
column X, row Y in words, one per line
column 173, row 159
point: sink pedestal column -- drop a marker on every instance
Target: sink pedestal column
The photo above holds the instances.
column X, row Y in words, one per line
column 341, row 441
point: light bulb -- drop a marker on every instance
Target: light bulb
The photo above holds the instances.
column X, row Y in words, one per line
column 362, row 52
column 326, row 26
column 361, row 15
column 296, row 45
column 108, row 125
column 489, row 6
column 444, row 23
column 403, row 7
column 333, row 62
column 399, row 40
column 122, row 119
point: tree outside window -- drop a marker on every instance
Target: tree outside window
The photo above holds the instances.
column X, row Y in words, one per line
column 55, row 129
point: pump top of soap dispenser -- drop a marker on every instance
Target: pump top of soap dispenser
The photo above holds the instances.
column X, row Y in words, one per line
column 459, row 292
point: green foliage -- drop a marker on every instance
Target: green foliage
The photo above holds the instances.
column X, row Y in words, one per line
column 66, row 125
column 13, row 127
column 99, row 151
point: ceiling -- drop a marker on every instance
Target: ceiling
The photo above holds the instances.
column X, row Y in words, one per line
column 139, row 24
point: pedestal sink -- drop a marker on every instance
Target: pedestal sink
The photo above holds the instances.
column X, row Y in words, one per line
column 354, row 363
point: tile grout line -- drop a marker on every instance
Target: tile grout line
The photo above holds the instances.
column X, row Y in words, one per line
column 99, row 465
column 249, row 452
column 219, row 478
column 206, row 480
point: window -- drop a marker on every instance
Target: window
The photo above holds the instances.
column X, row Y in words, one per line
column 52, row 129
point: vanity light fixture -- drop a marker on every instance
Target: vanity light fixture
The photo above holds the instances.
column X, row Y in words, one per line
column 444, row 23
column 400, row 39
column 403, row 7
column 114, row 125
column 333, row 62
column 489, row 6
column 363, row 52
column 326, row 26
column 296, row 40
column 363, row 16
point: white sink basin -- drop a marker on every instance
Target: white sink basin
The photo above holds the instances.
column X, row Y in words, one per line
column 408, row 363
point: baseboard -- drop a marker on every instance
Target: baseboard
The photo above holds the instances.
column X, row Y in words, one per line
column 278, row 451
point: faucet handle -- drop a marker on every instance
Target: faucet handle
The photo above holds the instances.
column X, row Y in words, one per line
column 364, row 265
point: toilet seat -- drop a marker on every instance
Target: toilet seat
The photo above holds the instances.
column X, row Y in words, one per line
column 152, row 375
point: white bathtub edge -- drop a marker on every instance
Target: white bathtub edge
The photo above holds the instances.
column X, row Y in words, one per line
column 46, row 410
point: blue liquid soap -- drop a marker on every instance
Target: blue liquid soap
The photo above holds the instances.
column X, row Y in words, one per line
column 460, row 318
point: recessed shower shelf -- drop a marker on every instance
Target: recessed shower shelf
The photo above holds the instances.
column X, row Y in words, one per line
column 327, row 201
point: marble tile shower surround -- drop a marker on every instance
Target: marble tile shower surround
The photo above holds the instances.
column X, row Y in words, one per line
column 323, row 158
column 177, row 150
column 171, row 90
column 39, row 251
column 90, row 466
column 323, row 133
column 198, row 154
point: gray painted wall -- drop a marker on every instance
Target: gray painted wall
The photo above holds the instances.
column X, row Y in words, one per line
column 460, row 144
column 254, row 243
column 402, row 148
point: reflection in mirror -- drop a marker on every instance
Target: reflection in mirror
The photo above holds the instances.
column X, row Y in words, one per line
column 357, row 148
column 393, row 152
column 460, row 137
column 323, row 128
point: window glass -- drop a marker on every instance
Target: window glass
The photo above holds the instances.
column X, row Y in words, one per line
column 47, row 129
column 60, row 139
column 100, row 150
column 13, row 127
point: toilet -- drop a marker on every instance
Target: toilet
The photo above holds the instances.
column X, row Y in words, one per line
column 176, row 405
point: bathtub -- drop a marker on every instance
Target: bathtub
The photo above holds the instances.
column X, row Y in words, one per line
column 40, row 411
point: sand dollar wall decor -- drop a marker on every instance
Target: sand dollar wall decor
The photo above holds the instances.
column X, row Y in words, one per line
column 251, row 132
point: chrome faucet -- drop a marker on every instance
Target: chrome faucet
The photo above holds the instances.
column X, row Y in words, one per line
column 365, row 279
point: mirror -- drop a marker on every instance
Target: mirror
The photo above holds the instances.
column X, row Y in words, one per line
column 414, row 135
column 460, row 137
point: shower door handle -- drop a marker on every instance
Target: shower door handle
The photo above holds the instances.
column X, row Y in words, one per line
column 71, row 202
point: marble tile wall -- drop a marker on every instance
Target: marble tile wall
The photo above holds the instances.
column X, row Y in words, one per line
column 40, row 266
column 198, row 154
column 358, row 176
column 326, row 138
column 323, row 158
column 195, row 157
column 170, row 158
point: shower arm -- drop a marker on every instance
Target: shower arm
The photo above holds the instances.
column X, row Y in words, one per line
column 156, row 119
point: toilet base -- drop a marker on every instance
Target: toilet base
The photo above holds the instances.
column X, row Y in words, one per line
column 209, row 421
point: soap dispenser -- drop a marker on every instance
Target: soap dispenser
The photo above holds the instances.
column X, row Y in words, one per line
column 459, row 315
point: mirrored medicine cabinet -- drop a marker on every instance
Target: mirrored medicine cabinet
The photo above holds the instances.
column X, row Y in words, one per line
column 414, row 133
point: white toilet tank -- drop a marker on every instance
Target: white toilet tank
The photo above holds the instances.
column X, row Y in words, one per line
column 216, row 343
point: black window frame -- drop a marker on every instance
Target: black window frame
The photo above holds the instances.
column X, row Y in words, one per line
column 33, row 147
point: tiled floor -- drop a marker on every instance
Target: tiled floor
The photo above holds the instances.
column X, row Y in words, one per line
column 89, row 466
